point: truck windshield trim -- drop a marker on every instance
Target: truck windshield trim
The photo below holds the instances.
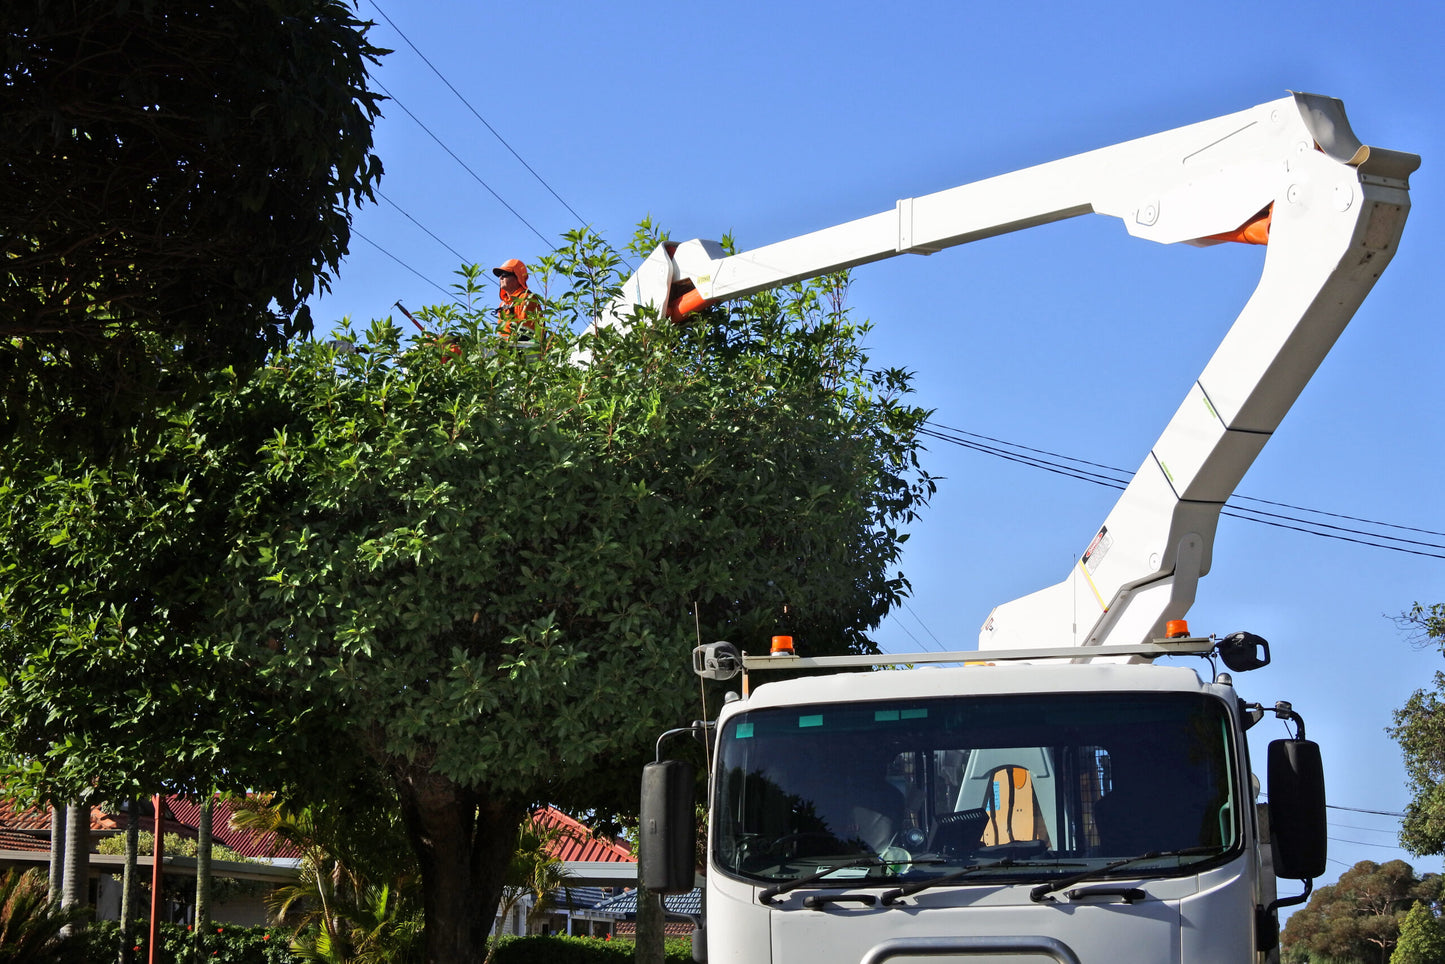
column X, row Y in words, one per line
column 1040, row 787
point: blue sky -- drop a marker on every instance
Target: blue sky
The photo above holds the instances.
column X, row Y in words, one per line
column 769, row 120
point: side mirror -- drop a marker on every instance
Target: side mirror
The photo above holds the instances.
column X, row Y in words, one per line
column 1298, row 835
column 1243, row 652
column 667, row 830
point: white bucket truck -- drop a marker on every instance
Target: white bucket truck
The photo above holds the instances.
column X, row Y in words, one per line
column 1058, row 794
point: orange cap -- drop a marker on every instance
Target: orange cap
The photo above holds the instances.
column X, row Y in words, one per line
column 512, row 266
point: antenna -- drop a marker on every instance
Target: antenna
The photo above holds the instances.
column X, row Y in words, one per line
column 702, row 692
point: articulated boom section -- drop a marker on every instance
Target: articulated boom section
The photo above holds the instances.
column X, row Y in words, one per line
column 1290, row 173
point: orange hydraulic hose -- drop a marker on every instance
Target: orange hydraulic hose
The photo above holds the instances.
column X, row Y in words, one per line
column 685, row 305
column 1253, row 231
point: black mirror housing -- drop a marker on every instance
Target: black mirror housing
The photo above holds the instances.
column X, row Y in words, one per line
column 667, row 832
column 1243, row 652
column 1298, row 835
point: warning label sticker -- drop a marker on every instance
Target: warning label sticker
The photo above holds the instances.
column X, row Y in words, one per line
column 1098, row 549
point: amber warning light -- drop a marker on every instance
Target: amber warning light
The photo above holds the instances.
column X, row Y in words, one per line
column 1176, row 629
column 783, row 646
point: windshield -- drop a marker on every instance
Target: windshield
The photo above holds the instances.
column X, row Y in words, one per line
column 1018, row 786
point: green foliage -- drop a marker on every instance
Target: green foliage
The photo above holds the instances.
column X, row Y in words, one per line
column 219, row 943
column 471, row 564
column 1357, row 918
column 579, row 950
column 1419, row 728
column 489, row 559
column 338, row 915
column 1422, row 937
column 30, row 923
column 183, row 888
column 533, row 871
column 176, row 183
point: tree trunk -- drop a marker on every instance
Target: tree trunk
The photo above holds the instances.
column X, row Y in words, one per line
column 75, row 890
column 650, row 919
column 128, row 889
column 463, row 839
column 203, row 876
column 57, row 853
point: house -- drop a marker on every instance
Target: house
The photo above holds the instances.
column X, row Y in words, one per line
column 682, row 911
column 25, row 842
column 597, row 867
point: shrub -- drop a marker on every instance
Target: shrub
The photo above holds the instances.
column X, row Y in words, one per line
column 580, row 950
column 220, row 943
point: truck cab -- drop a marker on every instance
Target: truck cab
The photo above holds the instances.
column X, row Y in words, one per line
column 1030, row 807
column 1105, row 809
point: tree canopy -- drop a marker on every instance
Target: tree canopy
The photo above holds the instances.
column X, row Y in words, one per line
column 174, row 182
column 1358, row 918
column 1420, row 730
column 472, row 562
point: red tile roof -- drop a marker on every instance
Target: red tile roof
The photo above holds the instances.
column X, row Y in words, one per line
column 244, row 842
column 28, row 828
column 576, row 842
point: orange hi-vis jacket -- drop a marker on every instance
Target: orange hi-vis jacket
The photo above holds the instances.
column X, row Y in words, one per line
column 516, row 305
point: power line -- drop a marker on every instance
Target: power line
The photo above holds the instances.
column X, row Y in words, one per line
column 475, row 113
column 906, row 631
column 1378, row 813
column 1361, row 843
column 475, row 176
column 408, row 267
column 941, row 648
column 461, row 257
column 1347, row 826
column 1116, row 478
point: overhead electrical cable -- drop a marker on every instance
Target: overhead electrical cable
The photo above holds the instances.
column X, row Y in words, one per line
column 475, row 112
column 451, row 295
column 1117, row 478
column 1378, row 813
column 906, row 631
column 941, row 648
column 475, row 176
column 461, row 257
column 1361, row 843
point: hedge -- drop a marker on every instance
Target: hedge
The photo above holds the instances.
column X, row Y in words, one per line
column 230, row 944
column 220, row 943
column 581, row 950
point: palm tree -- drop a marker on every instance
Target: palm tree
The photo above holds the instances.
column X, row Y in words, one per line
column 31, row 923
column 340, row 915
column 534, row 871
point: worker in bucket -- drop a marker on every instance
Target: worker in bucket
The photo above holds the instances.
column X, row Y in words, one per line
column 518, row 305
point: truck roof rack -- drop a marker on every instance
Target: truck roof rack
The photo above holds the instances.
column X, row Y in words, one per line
column 1185, row 646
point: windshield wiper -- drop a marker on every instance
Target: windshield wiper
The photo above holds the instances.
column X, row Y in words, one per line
column 767, row 894
column 893, row 896
column 1042, row 891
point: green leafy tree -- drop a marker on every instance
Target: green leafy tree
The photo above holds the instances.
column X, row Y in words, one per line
column 1422, row 937
column 1357, row 918
column 1420, row 730
column 478, row 567
column 175, row 183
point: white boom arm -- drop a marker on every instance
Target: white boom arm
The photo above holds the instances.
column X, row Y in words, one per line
column 1333, row 211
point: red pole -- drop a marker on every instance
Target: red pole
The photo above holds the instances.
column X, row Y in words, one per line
column 157, row 854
